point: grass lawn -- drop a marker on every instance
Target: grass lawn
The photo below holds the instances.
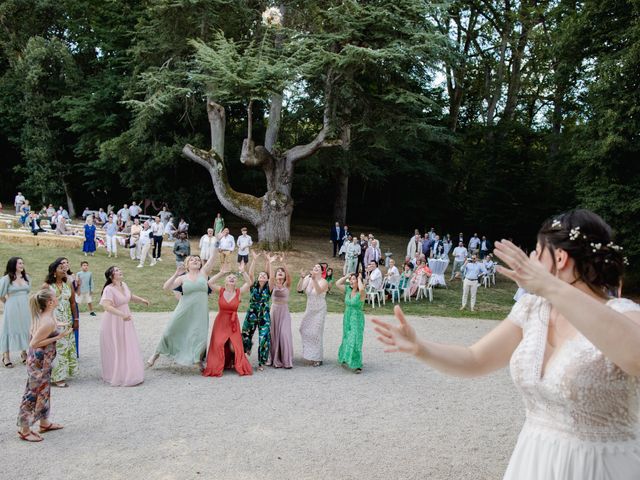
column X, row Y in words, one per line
column 311, row 247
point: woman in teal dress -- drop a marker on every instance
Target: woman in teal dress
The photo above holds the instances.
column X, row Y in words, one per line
column 14, row 292
column 258, row 315
column 350, row 353
column 185, row 336
column 218, row 225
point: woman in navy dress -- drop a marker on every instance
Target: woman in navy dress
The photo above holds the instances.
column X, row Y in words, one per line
column 89, row 246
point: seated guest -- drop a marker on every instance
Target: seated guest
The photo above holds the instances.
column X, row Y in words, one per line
column 420, row 276
column 85, row 213
column 405, row 276
column 34, row 224
column 61, row 226
column 374, row 275
column 101, row 218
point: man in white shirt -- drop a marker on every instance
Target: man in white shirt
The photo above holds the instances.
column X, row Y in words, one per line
column 124, row 214
column 244, row 242
column 414, row 247
column 85, row 213
column 226, row 246
column 158, row 232
column 472, row 270
column 101, row 218
column 474, row 244
column 374, row 275
column 208, row 245
column 459, row 257
column 134, row 210
column 372, row 253
column 18, row 202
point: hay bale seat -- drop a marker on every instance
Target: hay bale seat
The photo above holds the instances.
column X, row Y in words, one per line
column 25, row 237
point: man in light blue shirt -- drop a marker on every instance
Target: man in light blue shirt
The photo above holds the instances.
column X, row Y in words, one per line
column 471, row 272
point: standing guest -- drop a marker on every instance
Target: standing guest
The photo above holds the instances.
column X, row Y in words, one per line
column 350, row 352
column 329, row 278
column 337, row 234
column 244, row 242
column 181, row 248
column 346, row 234
column 134, row 240
column 432, row 233
column 226, row 246
column 414, row 247
column 85, row 287
column 218, row 224
column 258, row 315
column 208, row 245
column 461, row 238
column 312, row 325
column 15, row 286
column 485, row 247
column 123, row 214
column 42, row 352
column 164, row 215
column 110, row 230
column 225, row 348
column 474, row 244
column 448, row 245
column 471, row 272
column 158, row 232
column 18, row 201
column 185, row 337
column 59, row 282
column 120, row 355
column 183, row 226
column 101, row 218
column 351, row 256
column 281, row 353
column 89, row 245
column 134, row 210
column 459, row 257
column 372, row 253
column 427, row 244
column 572, row 351
column 364, row 244
column 145, row 245
column 437, row 248
column 61, row 226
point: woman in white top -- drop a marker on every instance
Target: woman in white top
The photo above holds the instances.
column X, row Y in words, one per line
column 208, row 245
column 572, row 350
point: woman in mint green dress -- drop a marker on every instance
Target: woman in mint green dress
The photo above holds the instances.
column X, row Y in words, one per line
column 218, row 224
column 185, row 336
column 350, row 353
column 14, row 292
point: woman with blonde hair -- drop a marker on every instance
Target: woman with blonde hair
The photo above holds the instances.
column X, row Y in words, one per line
column 42, row 350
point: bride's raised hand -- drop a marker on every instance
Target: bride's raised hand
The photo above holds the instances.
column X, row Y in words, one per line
column 527, row 271
column 397, row 338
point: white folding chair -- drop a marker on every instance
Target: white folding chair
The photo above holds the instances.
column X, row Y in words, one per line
column 425, row 290
column 394, row 290
column 371, row 294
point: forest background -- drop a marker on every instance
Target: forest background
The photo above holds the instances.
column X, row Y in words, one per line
column 468, row 116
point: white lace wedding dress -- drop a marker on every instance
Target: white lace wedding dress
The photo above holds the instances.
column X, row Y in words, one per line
column 581, row 412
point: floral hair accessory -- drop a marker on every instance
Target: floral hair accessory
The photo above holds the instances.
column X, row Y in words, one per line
column 574, row 234
column 625, row 260
column 272, row 16
column 556, row 225
column 615, row 247
column 595, row 247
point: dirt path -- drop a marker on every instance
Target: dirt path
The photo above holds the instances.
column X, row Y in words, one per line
column 398, row 420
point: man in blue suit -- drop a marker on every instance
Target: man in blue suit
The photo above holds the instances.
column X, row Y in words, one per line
column 337, row 234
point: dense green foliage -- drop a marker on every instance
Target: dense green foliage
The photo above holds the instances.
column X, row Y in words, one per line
column 481, row 115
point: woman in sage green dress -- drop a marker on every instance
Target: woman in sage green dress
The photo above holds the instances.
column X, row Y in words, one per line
column 185, row 336
column 350, row 353
column 14, row 292
column 66, row 362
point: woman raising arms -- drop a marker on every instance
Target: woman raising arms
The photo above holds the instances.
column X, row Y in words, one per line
column 258, row 315
column 312, row 325
column 225, row 348
column 281, row 355
column 350, row 352
column 572, row 350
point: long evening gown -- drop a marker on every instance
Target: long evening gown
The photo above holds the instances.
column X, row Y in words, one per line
column 122, row 364
column 185, row 337
column 66, row 362
column 350, row 352
column 226, row 333
column 14, row 336
column 312, row 325
column 581, row 412
column 281, row 355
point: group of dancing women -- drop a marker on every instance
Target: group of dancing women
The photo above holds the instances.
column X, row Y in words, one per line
column 571, row 345
column 44, row 326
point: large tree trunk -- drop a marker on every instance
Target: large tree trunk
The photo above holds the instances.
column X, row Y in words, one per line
column 70, row 207
column 342, row 196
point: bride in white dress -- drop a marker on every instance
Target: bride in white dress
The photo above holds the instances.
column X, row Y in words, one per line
column 573, row 351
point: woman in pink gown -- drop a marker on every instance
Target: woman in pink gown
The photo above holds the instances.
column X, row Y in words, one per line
column 226, row 349
column 122, row 364
column 281, row 354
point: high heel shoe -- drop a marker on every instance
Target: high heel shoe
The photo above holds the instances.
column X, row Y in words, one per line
column 152, row 360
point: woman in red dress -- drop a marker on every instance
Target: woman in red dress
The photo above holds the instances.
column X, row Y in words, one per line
column 225, row 348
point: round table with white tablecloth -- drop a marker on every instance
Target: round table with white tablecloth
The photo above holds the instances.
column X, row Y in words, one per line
column 438, row 266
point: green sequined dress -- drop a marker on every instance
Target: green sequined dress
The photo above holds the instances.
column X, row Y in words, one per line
column 350, row 352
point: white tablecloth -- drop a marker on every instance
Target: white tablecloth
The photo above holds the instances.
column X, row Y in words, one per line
column 438, row 267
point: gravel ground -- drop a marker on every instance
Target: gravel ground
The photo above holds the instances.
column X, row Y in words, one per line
column 398, row 420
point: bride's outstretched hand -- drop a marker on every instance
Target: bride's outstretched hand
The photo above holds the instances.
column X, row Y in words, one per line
column 527, row 271
column 397, row 338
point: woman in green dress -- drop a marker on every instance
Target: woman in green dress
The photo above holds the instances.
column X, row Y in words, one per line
column 66, row 362
column 185, row 336
column 218, row 224
column 350, row 353
column 14, row 292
